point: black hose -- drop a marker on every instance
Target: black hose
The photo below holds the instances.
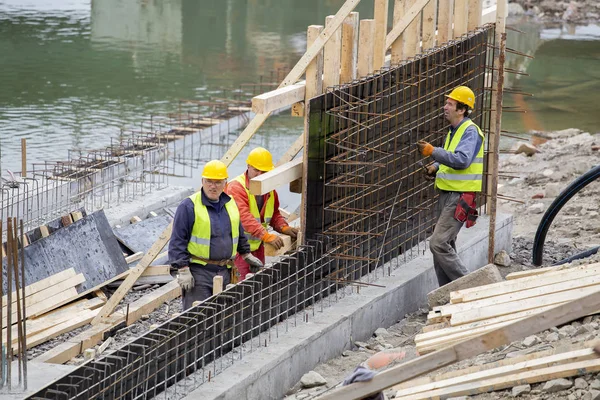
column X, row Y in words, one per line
column 555, row 207
column 579, row 256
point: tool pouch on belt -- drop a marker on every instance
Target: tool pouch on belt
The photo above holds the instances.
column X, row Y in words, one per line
column 466, row 210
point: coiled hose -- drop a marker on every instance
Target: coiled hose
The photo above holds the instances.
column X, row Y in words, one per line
column 555, row 207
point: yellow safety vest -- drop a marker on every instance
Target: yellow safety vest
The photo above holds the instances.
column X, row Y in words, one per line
column 269, row 210
column 199, row 244
column 461, row 180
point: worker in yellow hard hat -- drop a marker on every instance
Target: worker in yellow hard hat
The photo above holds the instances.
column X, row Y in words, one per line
column 458, row 172
column 207, row 234
column 258, row 212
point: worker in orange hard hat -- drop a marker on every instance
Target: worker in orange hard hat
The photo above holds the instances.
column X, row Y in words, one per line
column 458, row 172
column 207, row 234
column 258, row 212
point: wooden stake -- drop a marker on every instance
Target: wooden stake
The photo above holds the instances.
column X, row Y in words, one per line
column 314, row 71
column 331, row 57
column 349, row 48
column 404, row 20
column 445, row 17
column 217, row 284
column 365, row 47
column 396, row 46
column 410, row 38
column 474, row 17
column 381, row 17
column 461, row 16
column 429, row 24
column 24, row 158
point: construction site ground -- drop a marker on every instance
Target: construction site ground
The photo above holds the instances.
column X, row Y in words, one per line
column 577, row 227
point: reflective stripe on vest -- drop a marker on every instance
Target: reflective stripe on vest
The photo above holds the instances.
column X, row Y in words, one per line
column 461, row 180
column 199, row 244
column 269, row 210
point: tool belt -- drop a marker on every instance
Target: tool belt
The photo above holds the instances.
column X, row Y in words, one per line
column 466, row 209
column 222, row 263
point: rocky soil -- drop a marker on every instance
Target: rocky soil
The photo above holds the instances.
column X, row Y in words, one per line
column 576, row 11
column 534, row 180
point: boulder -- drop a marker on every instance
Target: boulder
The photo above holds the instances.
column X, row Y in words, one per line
column 592, row 395
column 557, row 385
column 502, row 259
column 536, row 208
column 381, row 332
column 526, row 148
column 531, row 341
column 580, row 383
column 483, row 276
column 312, row 379
column 519, row 390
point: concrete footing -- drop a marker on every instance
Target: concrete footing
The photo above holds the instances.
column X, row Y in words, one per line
column 268, row 373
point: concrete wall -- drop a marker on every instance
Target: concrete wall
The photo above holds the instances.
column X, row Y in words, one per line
column 268, row 372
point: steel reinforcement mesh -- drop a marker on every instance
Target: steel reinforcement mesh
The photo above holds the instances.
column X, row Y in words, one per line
column 368, row 202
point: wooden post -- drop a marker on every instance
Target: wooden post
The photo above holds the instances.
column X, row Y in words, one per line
column 461, row 15
column 365, row 47
column 24, row 158
column 429, row 24
column 381, row 17
column 217, row 284
column 349, row 48
column 410, row 37
column 314, row 71
column 445, row 18
column 331, row 57
column 396, row 47
column 474, row 17
column 496, row 119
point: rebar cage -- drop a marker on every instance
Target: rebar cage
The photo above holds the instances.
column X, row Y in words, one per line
column 368, row 202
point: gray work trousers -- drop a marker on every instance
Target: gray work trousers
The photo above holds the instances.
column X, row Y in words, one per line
column 203, row 282
column 446, row 262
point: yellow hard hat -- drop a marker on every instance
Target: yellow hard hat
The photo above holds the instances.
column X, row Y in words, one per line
column 261, row 159
column 215, row 169
column 464, row 95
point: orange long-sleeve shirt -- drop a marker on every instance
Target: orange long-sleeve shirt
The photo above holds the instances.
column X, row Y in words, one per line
column 250, row 224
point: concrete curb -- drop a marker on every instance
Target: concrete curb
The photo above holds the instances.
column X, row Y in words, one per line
column 268, row 372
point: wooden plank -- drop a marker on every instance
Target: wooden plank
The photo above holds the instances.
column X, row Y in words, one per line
column 429, row 24
column 154, row 270
column 461, row 13
column 503, row 382
column 278, row 98
column 427, row 346
column 537, row 271
column 277, row 177
column 513, row 369
column 380, row 15
column 404, row 20
column 519, row 305
column 365, row 47
column 474, row 16
column 44, row 283
column 504, row 287
column 349, row 48
column 468, row 348
column 314, row 70
column 445, row 18
column 288, row 245
column 435, row 327
column 151, row 301
column 411, row 37
column 332, row 57
column 49, row 304
column 396, row 44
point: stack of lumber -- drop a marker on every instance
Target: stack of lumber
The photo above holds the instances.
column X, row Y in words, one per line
column 53, row 307
column 478, row 310
column 532, row 368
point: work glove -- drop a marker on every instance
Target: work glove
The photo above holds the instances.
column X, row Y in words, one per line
column 288, row 230
column 185, row 279
column 431, row 171
column 426, row 149
column 273, row 240
column 254, row 263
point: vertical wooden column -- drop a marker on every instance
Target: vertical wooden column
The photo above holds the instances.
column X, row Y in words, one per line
column 349, row 56
column 445, row 18
column 429, row 24
column 496, row 123
column 411, row 36
column 331, row 56
column 474, row 17
column 365, row 47
column 461, row 15
column 381, row 17
column 396, row 47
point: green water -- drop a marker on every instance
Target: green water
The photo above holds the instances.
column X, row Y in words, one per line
column 74, row 72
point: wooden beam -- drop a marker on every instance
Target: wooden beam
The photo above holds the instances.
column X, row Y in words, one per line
column 365, row 47
column 331, row 57
column 445, row 18
column 134, row 257
column 292, row 151
column 279, row 98
column 288, row 245
column 537, row 271
column 314, row 70
column 411, row 43
column 154, row 270
column 44, row 283
column 403, row 22
column 429, row 24
column 461, row 15
column 151, row 301
column 66, row 220
column 349, row 48
column 50, row 303
column 471, row 347
column 380, row 15
column 474, row 17
column 396, row 43
column 279, row 176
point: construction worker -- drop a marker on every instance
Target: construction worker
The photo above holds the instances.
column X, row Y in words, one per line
column 207, row 234
column 458, row 171
column 258, row 212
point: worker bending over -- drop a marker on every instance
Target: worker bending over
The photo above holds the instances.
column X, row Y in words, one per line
column 458, row 171
column 207, row 234
column 258, row 212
